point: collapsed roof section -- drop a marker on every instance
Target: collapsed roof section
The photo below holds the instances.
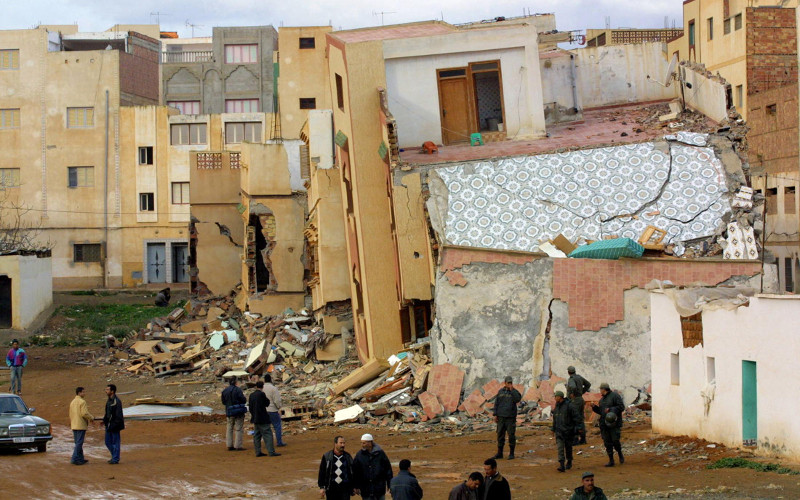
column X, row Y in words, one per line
column 679, row 185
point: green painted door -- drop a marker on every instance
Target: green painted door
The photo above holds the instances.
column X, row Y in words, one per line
column 749, row 404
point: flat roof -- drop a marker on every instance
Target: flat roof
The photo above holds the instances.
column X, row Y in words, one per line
column 412, row 30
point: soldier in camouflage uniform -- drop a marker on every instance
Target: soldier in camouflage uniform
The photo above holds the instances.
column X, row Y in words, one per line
column 610, row 410
column 577, row 386
column 565, row 421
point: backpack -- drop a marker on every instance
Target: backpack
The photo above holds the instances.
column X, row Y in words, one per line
column 236, row 410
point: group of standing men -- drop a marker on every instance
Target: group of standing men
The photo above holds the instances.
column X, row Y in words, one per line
column 264, row 406
column 113, row 422
column 568, row 427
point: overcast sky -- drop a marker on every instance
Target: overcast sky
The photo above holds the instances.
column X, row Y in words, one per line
column 97, row 15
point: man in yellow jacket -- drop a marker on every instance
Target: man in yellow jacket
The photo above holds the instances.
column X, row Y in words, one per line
column 79, row 418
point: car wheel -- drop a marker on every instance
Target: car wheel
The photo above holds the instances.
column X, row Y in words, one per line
column 41, row 448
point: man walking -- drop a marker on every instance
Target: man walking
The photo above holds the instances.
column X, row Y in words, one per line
column 258, row 416
column 274, row 408
column 610, row 410
column 114, row 423
column 468, row 490
column 505, row 414
column 335, row 479
column 565, row 421
column 372, row 470
column 16, row 360
column 495, row 486
column 235, row 408
column 79, row 418
column 577, row 386
column 587, row 490
column 405, row 485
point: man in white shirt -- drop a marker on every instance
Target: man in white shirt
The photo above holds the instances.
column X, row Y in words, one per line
column 274, row 408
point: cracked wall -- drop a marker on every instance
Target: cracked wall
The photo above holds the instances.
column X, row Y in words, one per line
column 220, row 239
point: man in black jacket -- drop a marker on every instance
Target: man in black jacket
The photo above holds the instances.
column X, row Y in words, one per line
column 577, row 386
column 234, row 401
column 335, row 479
column 565, row 423
column 468, row 490
column 505, row 414
column 495, row 486
column 405, row 485
column 114, row 422
column 258, row 403
column 372, row 470
column 610, row 410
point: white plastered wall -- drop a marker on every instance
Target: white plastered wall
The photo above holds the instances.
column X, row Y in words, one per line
column 766, row 332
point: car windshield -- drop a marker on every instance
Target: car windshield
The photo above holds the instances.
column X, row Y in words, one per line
column 12, row 404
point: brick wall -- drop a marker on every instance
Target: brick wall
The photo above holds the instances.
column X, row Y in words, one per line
column 138, row 69
column 455, row 257
column 771, row 48
column 772, row 138
column 594, row 289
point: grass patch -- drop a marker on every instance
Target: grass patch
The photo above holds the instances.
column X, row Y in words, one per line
column 741, row 463
column 89, row 323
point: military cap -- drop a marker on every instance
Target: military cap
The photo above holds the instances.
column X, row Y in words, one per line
column 571, row 369
column 559, row 393
column 587, row 474
column 605, row 386
column 508, row 379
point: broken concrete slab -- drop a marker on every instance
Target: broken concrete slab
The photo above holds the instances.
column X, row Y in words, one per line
column 144, row 346
column 360, row 376
column 490, row 388
column 347, row 414
column 431, row 405
column 445, row 381
column 331, row 351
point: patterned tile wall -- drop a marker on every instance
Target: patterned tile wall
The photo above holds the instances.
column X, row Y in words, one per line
column 515, row 203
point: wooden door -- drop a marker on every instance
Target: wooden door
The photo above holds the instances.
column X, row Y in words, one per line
column 455, row 106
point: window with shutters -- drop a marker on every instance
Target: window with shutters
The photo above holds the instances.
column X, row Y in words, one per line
column 80, row 117
column 305, row 162
column 236, row 132
column 737, row 21
column 9, row 178
column 9, row 59
column 241, row 53
column 9, row 118
column 180, row 193
column 80, row 177
column 186, row 107
column 188, row 133
column 87, row 252
column 242, row 105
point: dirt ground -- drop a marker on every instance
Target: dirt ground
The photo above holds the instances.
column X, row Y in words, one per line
column 171, row 459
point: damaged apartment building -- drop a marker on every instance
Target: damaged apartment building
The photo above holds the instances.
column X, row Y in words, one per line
column 464, row 241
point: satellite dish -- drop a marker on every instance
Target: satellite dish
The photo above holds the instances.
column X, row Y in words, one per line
column 673, row 64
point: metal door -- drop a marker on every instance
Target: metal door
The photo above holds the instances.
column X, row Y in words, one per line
column 749, row 403
column 156, row 263
column 180, row 262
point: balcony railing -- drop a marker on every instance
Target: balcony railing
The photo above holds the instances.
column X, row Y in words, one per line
column 187, row 57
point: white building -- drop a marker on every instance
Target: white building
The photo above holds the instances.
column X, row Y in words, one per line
column 26, row 289
column 727, row 375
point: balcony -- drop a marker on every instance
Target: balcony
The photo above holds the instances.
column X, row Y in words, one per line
column 197, row 56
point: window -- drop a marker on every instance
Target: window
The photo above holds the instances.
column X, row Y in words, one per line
column 308, row 103
column 147, row 202
column 80, row 177
column 739, row 96
column 788, row 274
column 9, row 118
column 9, row 59
column 241, row 106
column 710, row 28
column 188, row 133
column 726, row 26
column 244, row 53
column 80, row 117
column 339, row 92
column 692, row 330
column 146, row 155
column 691, row 33
column 675, row 369
column 772, row 109
column 9, row 177
column 307, row 43
column 737, row 21
column 789, row 204
column 186, row 107
column 86, row 252
column 711, row 369
column 236, row 132
column 180, row 193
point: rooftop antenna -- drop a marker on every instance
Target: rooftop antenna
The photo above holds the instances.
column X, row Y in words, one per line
column 608, row 22
column 157, row 15
column 193, row 26
column 382, row 13
column 666, row 21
